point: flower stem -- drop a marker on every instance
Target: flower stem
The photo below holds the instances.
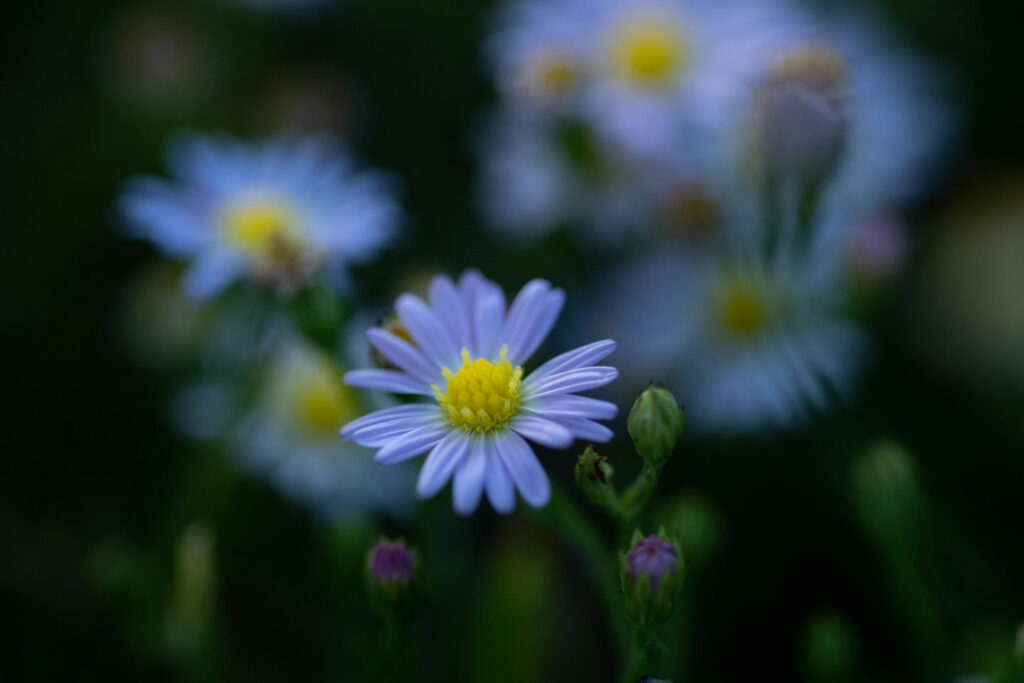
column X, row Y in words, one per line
column 562, row 515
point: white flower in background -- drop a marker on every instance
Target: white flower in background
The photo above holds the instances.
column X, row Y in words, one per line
column 466, row 357
column 281, row 213
column 291, row 438
column 746, row 343
column 828, row 98
column 536, row 178
column 540, row 54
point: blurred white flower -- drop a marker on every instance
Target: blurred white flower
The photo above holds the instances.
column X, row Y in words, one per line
column 281, row 213
column 747, row 343
column 291, row 438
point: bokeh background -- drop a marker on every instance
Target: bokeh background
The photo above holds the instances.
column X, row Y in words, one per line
column 110, row 518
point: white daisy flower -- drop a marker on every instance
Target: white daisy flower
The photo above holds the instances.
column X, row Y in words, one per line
column 746, row 343
column 466, row 354
column 290, row 437
column 280, row 213
column 539, row 50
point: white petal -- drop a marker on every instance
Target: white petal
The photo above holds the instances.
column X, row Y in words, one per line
column 571, row 360
column 586, row 430
column 573, row 380
column 524, row 468
column 522, row 314
column 469, row 479
column 488, row 312
column 545, row 319
column 498, row 483
column 366, row 425
column 545, row 432
column 427, row 331
column 387, row 380
column 452, row 311
column 404, row 355
column 212, row 272
column 442, row 461
column 570, row 405
column 412, row 443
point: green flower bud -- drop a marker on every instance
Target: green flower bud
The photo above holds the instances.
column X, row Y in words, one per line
column 390, row 571
column 594, row 477
column 651, row 574
column 655, row 423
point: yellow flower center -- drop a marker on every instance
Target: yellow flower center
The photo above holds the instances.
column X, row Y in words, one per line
column 321, row 403
column 649, row 52
column 258, row 228
column 741, row 309
column 555, row 74
column 816, row 67
column 482, row 396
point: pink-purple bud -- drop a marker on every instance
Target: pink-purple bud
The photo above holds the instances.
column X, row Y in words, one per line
column 391, row 562
column 653, row 556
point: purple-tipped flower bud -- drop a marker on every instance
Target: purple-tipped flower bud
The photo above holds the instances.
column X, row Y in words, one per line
column 651, row 574
column 653, row 556
column 390, row 571
column 391, row 562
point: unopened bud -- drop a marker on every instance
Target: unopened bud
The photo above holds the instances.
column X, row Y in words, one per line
column 390, row 570
column 594, row 477
column 655, row 423
column 651, row 575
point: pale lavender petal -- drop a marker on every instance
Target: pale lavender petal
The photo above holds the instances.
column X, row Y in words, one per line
column 498, row 483
column 387, row 380
column 524, row 468
column 376, row 419
column 488, row 312
column 412, row 443
column 382, row 434
column 469, row 478
column 404, row 355
column 573, row 380
column 570, row 405
column 427, row 331
column 522, row 314
column 449, row 307
column 586, row 429
column 212, row 272
column 547, row 314
column 545, row 432
column 571, row 360
column 442, row 461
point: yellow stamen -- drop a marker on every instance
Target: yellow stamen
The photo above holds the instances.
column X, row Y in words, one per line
column 649, row 52
column 742, row 309
column 257, row 227
column 482, row 396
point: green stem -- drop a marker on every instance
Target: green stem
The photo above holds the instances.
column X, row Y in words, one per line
column 646, row 656
column 567, row 521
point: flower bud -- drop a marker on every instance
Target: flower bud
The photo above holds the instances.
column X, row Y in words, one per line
column 651, row 575
column 594, row 477
column 655, row 423
column 390, row 570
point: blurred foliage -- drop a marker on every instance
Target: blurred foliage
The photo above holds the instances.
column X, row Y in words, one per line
column 107, row 574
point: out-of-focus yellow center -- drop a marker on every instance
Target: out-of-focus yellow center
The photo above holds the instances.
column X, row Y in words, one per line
column 813, row 66
column 322, row 403
column 649, row 53
column 741, row 309
column 482, row 396
column 259, row 227
column 555, row 74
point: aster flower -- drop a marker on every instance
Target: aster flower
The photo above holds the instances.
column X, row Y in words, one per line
column 466, row 355
column 281, row 213
column 747, row 343
column 290, row 437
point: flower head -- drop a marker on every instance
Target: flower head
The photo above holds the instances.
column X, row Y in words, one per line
column 654, row 557
column 391, row 562
column 281, row 213
column 651, row 574
column 466, row 355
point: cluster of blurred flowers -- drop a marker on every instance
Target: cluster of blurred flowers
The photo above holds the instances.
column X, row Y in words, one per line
column 744, row 163
column 736, row 170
